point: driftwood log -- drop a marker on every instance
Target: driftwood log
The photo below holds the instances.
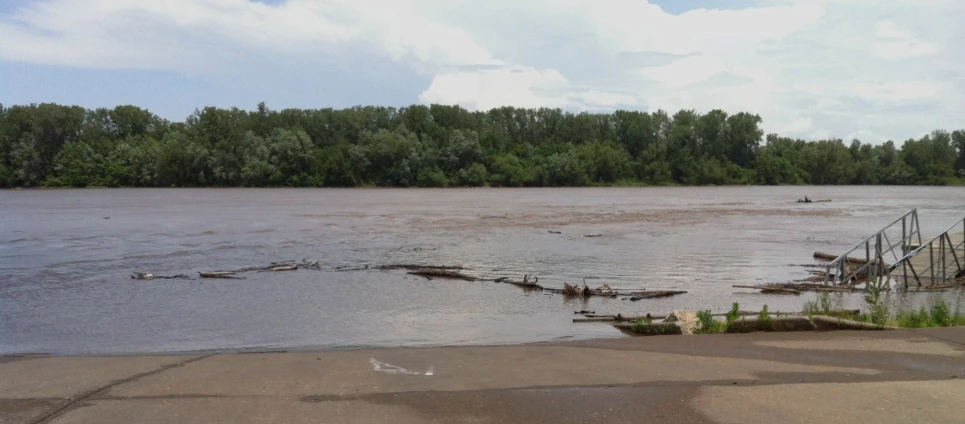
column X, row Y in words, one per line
column 219, row 274
column 771, row 289
column 430, row 273
column 526, row 283
column 149, row 276
column 414, row 267
column 832, row 323
column 830, row 257
column 285, row 267
column 652, row 294
column 794, row 288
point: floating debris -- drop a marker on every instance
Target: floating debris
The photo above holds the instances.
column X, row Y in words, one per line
column 652, row 294
column 149, row 276
column 431, row 273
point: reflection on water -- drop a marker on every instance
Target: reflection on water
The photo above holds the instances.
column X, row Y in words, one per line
column 66, row 257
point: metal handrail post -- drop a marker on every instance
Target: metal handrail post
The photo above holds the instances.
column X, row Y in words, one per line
column 941, row 252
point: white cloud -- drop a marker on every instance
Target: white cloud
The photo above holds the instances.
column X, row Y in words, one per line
column 798, row 126
column 807, row 66
column 490, row 88
column 179, row 34
column 895, row 43
column 596, row 99
column 897, row 91
column 685, row 71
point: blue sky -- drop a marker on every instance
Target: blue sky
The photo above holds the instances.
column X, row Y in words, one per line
column 874, row 70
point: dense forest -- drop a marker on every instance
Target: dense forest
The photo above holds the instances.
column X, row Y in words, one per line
column 440, row 146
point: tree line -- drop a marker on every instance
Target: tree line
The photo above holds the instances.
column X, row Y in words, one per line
column 442, row 146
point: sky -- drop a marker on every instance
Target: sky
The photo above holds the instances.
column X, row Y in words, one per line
column 867, row 69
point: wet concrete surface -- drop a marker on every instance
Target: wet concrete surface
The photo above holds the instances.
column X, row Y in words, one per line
column 882, row 377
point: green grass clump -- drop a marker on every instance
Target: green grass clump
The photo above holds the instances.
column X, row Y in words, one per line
column 938, row 314
column 820, row 306
column 708, row 325
column 734, row 312
column 913, row 319
column 876, row 304
column 765, row 319
column 641, row 324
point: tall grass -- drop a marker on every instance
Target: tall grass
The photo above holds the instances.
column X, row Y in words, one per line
column 938, row 313
column 877, row 309
column 708, row 325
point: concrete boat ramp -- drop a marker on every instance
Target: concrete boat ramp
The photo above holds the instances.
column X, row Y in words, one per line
column 836, row 377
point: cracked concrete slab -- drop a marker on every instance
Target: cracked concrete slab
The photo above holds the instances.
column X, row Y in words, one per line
column 27, row 410
column 236, row 410
column 938, row 402
column 67, row 377
column 765, row 377
column 916, row 346
column 477, row 368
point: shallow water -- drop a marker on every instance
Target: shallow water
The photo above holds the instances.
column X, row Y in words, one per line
column 65, row 285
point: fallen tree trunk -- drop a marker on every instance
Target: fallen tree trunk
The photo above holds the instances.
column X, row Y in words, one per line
column 832, row 323
column 830, row 257
column 652, row 294
column 149, row 276
column 779, row 290
column 771, row 289
column 412, row 267
column 430, row 274
column 286, row 267
column 794, row 288
column 618, row 318
column 526, row 284
column 219, row 274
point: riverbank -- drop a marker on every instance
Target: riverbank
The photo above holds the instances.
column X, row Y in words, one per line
column 895, row 376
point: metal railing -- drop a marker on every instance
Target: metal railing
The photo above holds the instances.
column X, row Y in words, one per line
column 942, row 258
column 846, row 269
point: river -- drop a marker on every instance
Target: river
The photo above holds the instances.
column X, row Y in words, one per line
column 66, row 257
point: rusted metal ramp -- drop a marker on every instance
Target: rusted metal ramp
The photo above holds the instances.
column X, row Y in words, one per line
column 898, row 253
column 936, row 262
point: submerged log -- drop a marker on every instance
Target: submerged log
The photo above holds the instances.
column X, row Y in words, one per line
column 831, row 323
column 286, row 267
column 793, row 288
column 779, row 290
column 149, row 276
column 413, row 267
column 830, row 257
column 652, row 294
column 618, row 318
column 219, row 274
column 771, row 289
column 442, row 273
column 526, row 283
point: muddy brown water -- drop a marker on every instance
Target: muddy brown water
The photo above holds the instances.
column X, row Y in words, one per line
column 66, row 257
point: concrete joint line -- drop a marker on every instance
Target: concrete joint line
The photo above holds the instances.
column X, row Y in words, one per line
column 915, row 330
column 60, row 411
